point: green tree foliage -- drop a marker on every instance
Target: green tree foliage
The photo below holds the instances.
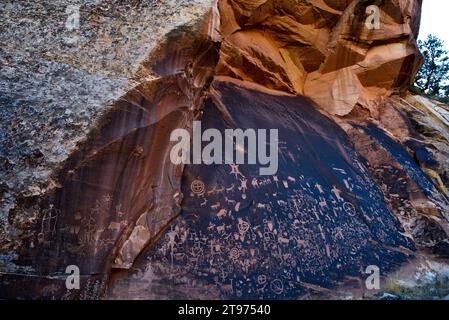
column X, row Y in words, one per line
column 433, row 76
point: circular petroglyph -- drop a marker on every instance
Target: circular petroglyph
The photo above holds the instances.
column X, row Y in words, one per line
column 197, row 187
column 262, row 279
column 234, row 254
column 269, row 236
column 349, row 209
column 277, row 286
column 243, row 226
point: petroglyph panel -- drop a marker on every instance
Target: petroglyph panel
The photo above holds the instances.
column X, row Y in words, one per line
column 241, row 235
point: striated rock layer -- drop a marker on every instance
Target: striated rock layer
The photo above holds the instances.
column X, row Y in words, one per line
column 87, row 180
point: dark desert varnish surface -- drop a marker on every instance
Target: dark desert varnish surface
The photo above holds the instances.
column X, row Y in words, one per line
column 320, row 220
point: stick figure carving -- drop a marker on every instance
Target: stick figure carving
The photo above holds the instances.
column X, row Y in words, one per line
column 243, row 187
column 236, row 171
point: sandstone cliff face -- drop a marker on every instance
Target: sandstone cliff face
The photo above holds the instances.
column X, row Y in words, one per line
column 97, row 92
column 87, row 180
column 322, row 49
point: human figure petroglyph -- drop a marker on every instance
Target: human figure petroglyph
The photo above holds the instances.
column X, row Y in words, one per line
column 323, row 203
column 243, row 187
column 192, row 235
column 337, row 193
column 49, row 221
column 171, row 237
column 337, row 233
column 236, row 171
column 319, row 188
column 89, row 223
column 255, row 183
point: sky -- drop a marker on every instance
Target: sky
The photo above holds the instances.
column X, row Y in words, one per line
column 435, row 20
